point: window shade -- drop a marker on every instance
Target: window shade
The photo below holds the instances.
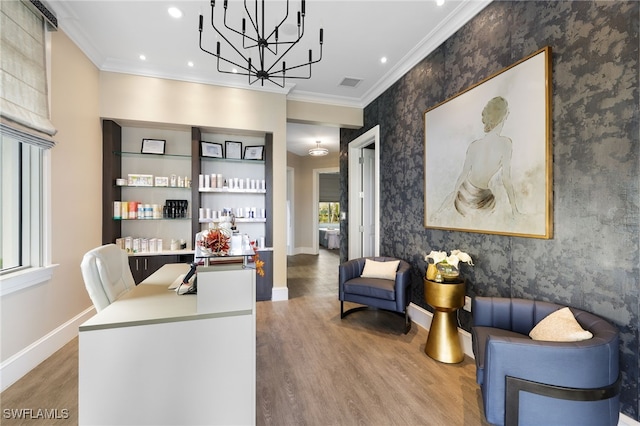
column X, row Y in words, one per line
column 24, row 106
column 329, row 188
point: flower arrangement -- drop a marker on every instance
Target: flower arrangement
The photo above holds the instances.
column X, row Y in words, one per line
column 215, row 241
column 259, row 265
column 443, row 266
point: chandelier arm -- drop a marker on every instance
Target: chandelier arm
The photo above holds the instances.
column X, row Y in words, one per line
column 297, row 66
column 242, row 67
column 286, row 15
column 257, row 78
column 254, row 24
column 224, row 21
column 228, row 42
column 205, row 50
column 275, row 73
column 276, row 61
column 291, row 42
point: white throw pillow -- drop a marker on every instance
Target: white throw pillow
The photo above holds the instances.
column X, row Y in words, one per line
column 384, row 270
column 560, row 326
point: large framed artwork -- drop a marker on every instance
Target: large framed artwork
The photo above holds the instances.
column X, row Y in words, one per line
column 488, row 158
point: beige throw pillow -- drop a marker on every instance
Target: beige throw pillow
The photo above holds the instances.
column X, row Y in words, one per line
column 384, row 270
column 560, row 326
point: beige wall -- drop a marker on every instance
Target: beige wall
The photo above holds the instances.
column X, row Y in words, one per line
column 76, row 196
column 330, row 115
column 305, row 221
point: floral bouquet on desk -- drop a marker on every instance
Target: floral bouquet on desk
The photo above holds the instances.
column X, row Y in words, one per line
column 214, row 242
column 445, row 268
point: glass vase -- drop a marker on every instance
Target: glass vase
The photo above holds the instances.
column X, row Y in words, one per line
column 448, row 272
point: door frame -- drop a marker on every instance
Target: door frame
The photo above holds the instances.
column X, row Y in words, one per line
column 355, row 183
column 290, row 211
column 316, row 202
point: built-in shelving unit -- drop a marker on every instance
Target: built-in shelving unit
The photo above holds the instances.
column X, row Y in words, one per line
column 250, row 205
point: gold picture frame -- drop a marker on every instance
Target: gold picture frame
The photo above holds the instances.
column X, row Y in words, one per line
column 488, row 154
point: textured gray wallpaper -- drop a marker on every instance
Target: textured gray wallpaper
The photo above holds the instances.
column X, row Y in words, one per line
column 592, row 262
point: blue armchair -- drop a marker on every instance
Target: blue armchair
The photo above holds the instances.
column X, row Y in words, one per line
column 390, row 295
column 533, row 382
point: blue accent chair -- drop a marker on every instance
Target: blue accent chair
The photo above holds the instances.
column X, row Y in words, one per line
column 390, row 295
column 532, row 382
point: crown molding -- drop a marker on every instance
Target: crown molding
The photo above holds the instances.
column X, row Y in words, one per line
column 463, row 13
column 456, row 20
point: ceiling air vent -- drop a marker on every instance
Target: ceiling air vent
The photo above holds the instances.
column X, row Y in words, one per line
column 350, row 82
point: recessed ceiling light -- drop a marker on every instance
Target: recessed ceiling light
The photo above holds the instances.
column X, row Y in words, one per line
column 439, row 2
column 143, row 58
column 175, row 12
column 190, row 63
column 383, row 60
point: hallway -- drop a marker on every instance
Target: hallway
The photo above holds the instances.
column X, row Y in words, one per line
column 309, row 274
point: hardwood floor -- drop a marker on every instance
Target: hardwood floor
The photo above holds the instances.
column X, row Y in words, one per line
column 312, row 367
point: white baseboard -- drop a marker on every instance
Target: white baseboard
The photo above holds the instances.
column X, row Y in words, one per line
column 627, row 421
column 423, row 317
column 305, row 250
column 279, row 293
column 16, row 366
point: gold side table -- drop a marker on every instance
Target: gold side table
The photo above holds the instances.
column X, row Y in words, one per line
column 443, row 342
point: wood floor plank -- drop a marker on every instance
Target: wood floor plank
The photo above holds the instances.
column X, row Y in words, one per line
column 313, row 368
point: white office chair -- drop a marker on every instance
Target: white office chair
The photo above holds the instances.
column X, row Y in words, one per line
column 106, row 274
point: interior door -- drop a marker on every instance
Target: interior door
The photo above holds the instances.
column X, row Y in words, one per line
column 358, row 201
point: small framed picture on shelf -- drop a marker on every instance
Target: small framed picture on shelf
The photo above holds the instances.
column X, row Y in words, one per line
column 254, row 152
column 233, row 150
column 139, row 180
column 211, row 149
column 161, row 181
column 153, row 146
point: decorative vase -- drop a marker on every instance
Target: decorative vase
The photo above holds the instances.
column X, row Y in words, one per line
column 432, row 271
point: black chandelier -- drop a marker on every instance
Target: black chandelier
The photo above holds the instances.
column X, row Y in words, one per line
column 264, row 43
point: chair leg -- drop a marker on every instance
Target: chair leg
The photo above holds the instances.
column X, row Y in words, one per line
column 407, row 318
column 407, row 321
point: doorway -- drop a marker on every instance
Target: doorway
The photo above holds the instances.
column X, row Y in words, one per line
column 316, row 204
column 364, row 195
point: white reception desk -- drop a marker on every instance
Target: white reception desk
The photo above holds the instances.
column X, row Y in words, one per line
column 156, row 358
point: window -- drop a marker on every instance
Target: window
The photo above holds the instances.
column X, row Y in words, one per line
column 24, row 195
column 25, row 139
column 328, row 212
column 20, row 202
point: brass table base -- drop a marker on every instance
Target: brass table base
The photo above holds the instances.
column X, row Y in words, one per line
column 443, row 342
